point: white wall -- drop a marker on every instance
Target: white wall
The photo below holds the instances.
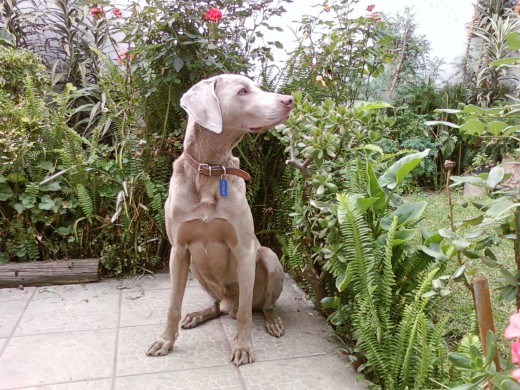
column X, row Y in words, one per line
column 443, row 22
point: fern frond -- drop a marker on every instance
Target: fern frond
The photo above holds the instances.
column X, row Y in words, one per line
column 359, row 254
column 85, row 201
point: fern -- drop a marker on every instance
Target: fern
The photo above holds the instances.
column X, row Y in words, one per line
column 85, row 201
column 359, row 253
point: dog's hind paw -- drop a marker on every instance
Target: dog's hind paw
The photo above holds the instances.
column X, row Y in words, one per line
column 275, row 327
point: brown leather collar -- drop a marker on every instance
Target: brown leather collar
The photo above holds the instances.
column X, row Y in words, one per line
column 215, row 170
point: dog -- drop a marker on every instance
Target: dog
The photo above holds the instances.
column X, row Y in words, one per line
column 208, row 220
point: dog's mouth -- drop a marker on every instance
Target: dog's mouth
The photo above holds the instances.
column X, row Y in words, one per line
column 264, row 128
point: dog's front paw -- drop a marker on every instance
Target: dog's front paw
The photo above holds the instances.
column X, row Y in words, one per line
column 161, row 346
column 242, row 355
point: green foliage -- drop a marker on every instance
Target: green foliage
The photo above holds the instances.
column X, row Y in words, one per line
column 15, row 67
column 353, row 239
column 338, row 55
column 479, row 368
column 174, row 47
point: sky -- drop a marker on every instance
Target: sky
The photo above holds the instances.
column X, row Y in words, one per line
column 442, row 22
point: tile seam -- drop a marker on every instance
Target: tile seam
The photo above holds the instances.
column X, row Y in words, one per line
column 116, row 345
column 17, row 323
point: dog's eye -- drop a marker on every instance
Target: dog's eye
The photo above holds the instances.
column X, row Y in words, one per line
column 243, row 91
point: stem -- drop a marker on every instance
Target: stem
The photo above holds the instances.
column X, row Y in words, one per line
column 517, row 251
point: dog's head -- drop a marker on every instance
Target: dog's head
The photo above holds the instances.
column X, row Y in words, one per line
column 236, row 103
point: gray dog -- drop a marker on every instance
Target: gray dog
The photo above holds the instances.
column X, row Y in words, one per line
column 208, row 220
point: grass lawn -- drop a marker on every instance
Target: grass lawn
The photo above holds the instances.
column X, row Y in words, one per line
column 458, row 306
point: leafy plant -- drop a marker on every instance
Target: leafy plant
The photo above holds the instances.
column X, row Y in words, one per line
column 338, row 55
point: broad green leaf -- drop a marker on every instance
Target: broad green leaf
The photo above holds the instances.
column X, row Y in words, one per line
column 19, row 207
column 407, row 212
column 458, row 273
column 178, row 64
column 46, row 203
column 433, row 251
column 496, row 127
column 7, row 38
column 509, row 384
column 5, row 192
column 472, row 109
column 466, row 179
column 510, row 130
column 373, row 105
column 374, row 190
column 500, row 206
column 400, row 169
column 513, row 40
column 491, row 346
column 405, row 234
column 16, row 178
column 447, row 148
column 505, row 61
column 447, row 233
column 3, row 179
column 460, row 360
column 508, row 293
column 473, row 127
column 495, row 176
column 365, row 203
column 321, row 205
column 343, row 280
column 461, row 244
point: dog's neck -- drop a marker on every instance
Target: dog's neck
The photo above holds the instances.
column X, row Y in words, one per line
column 208, row 147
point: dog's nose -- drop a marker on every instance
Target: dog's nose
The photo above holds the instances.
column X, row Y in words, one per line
column 287, row 101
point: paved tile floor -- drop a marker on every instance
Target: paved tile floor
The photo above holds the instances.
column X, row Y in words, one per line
column 93, row 337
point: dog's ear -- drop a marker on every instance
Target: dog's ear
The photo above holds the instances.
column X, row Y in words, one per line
column 201, row 103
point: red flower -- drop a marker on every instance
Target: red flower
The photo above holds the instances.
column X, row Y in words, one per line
column 97, row 12
column 212, row 14
column 117, row 12
column 371, row 7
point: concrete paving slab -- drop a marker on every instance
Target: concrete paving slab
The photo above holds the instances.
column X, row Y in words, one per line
column 306, row 373
column 57, row 358
column 214, row 378
column 94, row 337
column 72, row 310
column 203, row 346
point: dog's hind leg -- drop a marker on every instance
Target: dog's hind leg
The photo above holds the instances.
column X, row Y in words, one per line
column 193, row 319
column 273, row 288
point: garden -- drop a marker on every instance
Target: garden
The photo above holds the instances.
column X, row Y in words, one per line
column 362, row 192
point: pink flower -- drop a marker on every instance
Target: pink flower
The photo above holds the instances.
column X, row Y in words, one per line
column 515, row 352
column 117, row 12
column 516, row 374
column 124, row 54
column 375, row 17
column 513, row 329
column 212, row 14
column 96, row 12
column 371, row 7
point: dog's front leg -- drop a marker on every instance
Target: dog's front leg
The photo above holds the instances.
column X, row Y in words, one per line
column 179, row 266
column 243, row 347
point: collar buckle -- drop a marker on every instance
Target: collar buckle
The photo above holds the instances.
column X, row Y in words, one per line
column 202, row 167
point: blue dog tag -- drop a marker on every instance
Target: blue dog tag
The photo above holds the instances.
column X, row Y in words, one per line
column 222, row 184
